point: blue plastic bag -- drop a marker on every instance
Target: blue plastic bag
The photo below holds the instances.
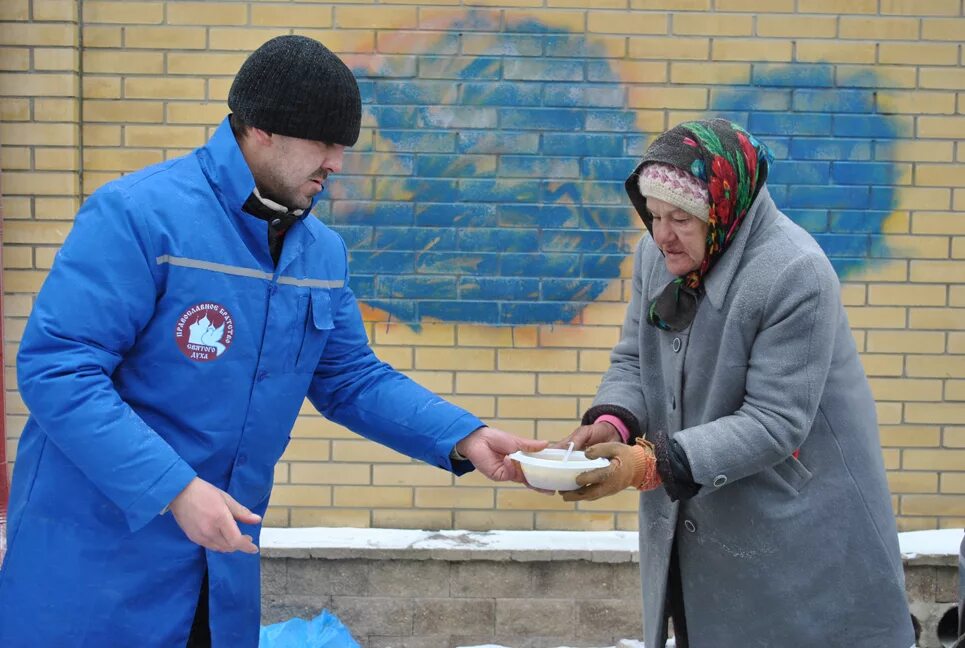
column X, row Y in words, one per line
column 324, row 631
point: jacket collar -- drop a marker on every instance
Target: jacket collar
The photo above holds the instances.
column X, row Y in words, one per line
column 718, row 280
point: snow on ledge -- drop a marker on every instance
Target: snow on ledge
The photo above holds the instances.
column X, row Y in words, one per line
column 602, row 546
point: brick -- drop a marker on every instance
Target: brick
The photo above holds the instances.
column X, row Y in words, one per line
column 955, row 390
column 916, row 102
column 279, row 15
column 671, row 5
column 626, row 22
column 102, row 37
column 372, row 18
column 204, row 63
column 923, row 198
column 888, row 413
column 14, row 59
column 307, row 450
column 163, row 136
column 878, row 28
column 17, row 257
column 778, row 6
column 913, row 482
column 941, row 78
column 51, row 85
column 41, row 183
column 195, row 113
column 15, row 10
column 123, row 62
column 124, row 111
column 454, row 498
column 472, row 335
column 918, row 53
column 575, row 521
column 713, row 25
column 940, row 175
column 14, row 110
column 578, row 336
column 207, row 13
column 550, row 360
column 536, row 407
column 910, row 295
column 956, row 294
column 164, row 88
column 958, row 250
column 13, row 33
column 798, row 27
column 876, row 317
column 956, row 342
column 904, row 390
column 98, row 159
column 905, row 342
column 932, row 505
column 301, row 495
column 59, row 59
column 954, row 437
column 710, row 73
column 920, row 7
column 54, row 10
column 56, row 159
column 575, row 384
column 838, row 7
column 953, row 483
column 55, row 110
column 753, row 50
column 98, row 135
column 432, row 334
column 936, row 271
column 15, row 158
column 363, row 450
column 488, row 520
column 523, row 498
column 948, row 127
column 101, row 87
column 168, row 38
column 455, row 359
column 410, row 475
column 942, row 29
column 937, row 413
column 662, row 97
column 127, row 12
column 547, row 20
column 937, row 318
column 911, row 151
column 342, row 41
column 411, row 519
column 329, row 473
column 241, row 38
column 579, row 4
column 481, row 406
column 952, row 366
column 673, row 48
column 442, row 615
column 372, row 496
column 495, row 383
column 904, row 436
column 835, row 52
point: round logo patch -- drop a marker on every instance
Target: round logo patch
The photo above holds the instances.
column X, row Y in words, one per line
column 204, row 332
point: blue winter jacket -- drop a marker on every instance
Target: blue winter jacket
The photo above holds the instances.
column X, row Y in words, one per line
column 163, row 345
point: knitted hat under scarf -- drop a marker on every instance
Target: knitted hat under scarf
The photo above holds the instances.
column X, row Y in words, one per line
column 295, row 86
column 733, row 166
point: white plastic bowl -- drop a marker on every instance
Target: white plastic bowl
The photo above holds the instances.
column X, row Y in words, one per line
column 547, row 470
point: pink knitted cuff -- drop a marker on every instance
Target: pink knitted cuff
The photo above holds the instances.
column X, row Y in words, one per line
column 615, row 422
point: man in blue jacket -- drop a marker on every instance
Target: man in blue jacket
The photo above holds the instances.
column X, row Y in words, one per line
column 193, row 307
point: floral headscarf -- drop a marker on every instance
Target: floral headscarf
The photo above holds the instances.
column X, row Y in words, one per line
column 734, row 166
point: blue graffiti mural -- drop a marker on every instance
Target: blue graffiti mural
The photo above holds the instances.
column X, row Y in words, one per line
column 491, row 189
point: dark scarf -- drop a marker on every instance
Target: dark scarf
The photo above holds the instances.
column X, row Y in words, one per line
column 734, row 166
column 278, row 222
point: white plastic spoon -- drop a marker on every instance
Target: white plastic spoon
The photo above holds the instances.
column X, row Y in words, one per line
column 568, row 451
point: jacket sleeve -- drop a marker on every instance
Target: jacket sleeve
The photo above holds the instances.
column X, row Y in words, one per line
column 352, row 387
column 787, row 369
column 621, row 390
column 98, row 296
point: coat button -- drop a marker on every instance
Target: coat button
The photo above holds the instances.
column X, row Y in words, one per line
column 242, row 459
column 673, row 402
column 720, row 480
column 262, row 375
column 690, row 526
column 676, row 345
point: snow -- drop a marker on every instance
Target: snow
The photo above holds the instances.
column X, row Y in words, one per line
column 938, row 542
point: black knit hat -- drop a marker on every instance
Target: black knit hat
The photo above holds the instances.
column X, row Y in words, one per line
column 295, row 86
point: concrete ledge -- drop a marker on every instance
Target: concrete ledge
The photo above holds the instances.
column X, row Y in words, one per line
column 431, row 589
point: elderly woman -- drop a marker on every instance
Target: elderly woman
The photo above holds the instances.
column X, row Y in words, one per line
column 736, row 403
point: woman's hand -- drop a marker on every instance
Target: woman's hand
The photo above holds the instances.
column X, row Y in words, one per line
column 588, row 435
column 634, row 465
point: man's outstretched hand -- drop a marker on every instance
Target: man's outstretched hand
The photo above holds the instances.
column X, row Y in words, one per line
column 207, row 516
column 487, row 448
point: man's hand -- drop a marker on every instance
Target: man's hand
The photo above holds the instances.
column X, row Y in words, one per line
column 207, row 516
column 487, row 448
column 588, row 435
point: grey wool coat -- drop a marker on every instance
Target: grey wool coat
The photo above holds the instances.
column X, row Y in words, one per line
column 775, row 551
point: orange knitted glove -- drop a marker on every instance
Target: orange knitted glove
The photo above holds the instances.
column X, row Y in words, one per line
column 634, row 465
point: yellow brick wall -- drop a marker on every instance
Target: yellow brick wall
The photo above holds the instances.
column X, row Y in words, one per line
column 90, row 90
